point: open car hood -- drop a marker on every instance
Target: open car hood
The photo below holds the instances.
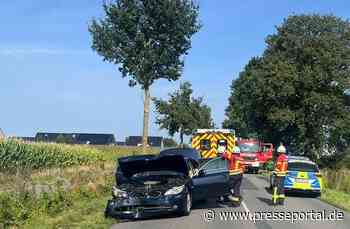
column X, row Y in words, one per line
column 138, row 164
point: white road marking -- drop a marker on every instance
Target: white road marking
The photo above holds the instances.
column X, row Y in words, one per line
column 245, row 207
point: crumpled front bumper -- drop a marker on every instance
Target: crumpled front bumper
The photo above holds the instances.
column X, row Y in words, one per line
column 134, row 208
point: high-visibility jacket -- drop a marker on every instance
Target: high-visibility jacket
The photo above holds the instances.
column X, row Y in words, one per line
column 235, row 163
column 281, row 165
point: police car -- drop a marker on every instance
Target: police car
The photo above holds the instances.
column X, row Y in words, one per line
column 303, row 176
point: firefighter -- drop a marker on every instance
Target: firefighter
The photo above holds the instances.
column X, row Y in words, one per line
column 221, row 147
column 235, row 166
column 280, row 171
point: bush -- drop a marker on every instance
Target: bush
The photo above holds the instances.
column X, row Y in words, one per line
column 13, row 210
column 269, row 165
column 54, row 203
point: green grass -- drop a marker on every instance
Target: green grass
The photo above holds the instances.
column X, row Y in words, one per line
column 84, row 213
column 80, row 205
column 74, row 196
column 336, row 198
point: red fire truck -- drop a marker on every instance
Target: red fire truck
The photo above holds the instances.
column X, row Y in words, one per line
column 255, row 153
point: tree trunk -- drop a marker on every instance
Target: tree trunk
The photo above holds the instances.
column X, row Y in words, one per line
column 145, row 119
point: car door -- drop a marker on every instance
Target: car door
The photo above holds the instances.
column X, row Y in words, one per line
column 211, row 180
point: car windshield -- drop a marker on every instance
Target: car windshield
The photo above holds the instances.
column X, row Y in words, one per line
column 301, row 166
column 249, row 147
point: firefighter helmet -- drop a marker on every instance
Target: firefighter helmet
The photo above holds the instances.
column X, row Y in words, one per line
column 281, row 149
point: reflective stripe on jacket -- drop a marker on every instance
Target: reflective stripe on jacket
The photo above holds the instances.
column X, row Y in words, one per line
column 281, row 165
column 235, row 163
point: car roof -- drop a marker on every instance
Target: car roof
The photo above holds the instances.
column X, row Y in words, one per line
column 186, row 152
column 300, row 159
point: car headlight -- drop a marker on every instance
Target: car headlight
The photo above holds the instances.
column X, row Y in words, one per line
column 118, row 193
column 175, row 190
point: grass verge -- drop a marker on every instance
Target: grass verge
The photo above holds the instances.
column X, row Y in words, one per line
column 84, row 213
column 59, row 197
column 336, row 198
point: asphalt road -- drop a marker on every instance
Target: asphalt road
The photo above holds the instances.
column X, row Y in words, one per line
column 257, row 202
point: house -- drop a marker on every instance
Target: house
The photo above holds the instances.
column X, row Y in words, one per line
column 153, row 141
column 76, row 138
column 26, row 139
column 120, row 143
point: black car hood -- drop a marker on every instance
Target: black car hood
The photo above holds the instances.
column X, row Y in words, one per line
column 132, row 165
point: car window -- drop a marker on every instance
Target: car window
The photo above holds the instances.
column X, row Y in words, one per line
column 205, row 144
column 301, row 166
column 215, row 165
column 249, row 147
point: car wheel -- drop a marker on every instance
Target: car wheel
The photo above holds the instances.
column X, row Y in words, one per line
column 185, row 211
column 317, row 195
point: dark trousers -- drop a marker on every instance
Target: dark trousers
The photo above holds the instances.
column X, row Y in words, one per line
column 235, row 185
column 278, row 190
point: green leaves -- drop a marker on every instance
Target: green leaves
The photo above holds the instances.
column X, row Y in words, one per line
column 182, row 113
column 295, row 92
column 146, row 38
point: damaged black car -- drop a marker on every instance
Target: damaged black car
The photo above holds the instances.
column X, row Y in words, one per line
column 156, row 185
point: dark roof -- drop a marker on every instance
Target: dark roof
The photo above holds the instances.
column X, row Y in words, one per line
column 152, row 141
column 77, row 138
column 120, row 143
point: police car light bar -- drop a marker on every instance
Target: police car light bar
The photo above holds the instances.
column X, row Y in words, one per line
column 225, row 131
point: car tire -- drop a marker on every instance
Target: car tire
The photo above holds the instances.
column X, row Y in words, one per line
column 186, row 209
column 316, row 195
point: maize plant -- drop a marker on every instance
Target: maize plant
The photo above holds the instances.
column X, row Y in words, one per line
column 16, row 154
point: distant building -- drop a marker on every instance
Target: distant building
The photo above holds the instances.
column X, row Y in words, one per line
column 153, row 141
column 26, row 139
column 2, row 134
column 118, row 143
column 76, row 138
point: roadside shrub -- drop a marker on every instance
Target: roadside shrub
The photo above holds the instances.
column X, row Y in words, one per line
column 12, row 210
column 54, row 203
column 269, row 166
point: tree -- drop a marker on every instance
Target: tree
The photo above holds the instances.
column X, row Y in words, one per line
column 61, row 138
column 294, row 92
column 183, row 113
column 169, row 142
column 147, row 39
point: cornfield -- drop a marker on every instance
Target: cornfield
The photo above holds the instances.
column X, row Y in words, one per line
column 16, row 154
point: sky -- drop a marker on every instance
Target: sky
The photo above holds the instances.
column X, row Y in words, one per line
column 51, row 80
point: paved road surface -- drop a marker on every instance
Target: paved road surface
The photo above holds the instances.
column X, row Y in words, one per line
column 256, row 199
